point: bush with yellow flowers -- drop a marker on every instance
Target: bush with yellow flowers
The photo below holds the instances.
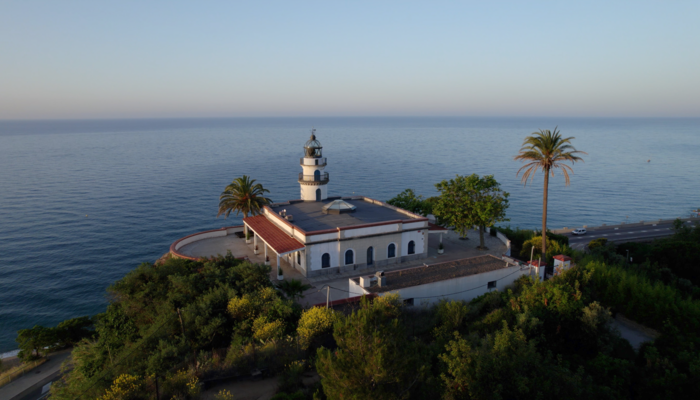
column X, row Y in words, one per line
column 223, row 395
column 126, row 387
column 313, row 323
column 182, row 385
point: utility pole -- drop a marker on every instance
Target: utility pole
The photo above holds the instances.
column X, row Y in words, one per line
column 328, row 296
column 157, row 390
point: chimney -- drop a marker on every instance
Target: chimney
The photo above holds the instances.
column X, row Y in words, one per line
column 381, row 279
column 365, row 281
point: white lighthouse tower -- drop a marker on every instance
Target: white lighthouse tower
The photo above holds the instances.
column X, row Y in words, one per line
column 313, row 181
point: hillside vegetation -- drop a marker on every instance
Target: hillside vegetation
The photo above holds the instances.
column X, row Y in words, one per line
column 188, row 323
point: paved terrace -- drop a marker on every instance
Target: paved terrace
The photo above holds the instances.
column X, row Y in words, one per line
column 455, row 249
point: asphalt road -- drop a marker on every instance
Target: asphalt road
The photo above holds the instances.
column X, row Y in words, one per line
column 623, row 233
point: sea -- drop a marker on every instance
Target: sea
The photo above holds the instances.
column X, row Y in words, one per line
column 83, row 202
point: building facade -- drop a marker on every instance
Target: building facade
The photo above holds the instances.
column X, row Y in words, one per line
column 320, row 235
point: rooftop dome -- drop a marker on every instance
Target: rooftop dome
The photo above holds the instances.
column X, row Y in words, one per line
column 338, row 207
column 313, row 147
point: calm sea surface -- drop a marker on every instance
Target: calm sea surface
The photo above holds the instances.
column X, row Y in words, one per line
column 84, row 202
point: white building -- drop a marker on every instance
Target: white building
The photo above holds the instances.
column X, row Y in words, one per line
column 319, row 234
column 463, row 279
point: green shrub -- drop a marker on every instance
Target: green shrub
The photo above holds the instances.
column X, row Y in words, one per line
column 650, row 303
column 553, row 248
column 597, row 243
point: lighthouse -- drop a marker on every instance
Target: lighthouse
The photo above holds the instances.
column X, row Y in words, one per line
column 312, row 179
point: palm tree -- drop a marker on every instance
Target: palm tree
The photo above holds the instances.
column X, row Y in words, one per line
column 547, row 151
column 243, row 195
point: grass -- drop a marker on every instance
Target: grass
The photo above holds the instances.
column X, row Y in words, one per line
column 15, row 372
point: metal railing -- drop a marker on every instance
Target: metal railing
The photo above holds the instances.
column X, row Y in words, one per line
column 318, row 161
column 313, row 178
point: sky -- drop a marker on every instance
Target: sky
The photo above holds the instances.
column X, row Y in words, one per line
column 170, row 59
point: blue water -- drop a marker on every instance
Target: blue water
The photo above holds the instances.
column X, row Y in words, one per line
column 84, row 202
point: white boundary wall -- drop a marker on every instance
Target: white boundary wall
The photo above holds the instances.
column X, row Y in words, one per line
column 201, row 236
column 502, row 238
column 454, row 289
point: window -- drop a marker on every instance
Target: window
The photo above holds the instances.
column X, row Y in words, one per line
column 491, row 285
column 326, row 260
column 349, row 257
column 298, row 257
column 391, row 251
column 370, row 255
column 411, row 247
column 408, row 302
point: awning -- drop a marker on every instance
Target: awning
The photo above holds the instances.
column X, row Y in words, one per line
column 276, row 238
column 433, row 228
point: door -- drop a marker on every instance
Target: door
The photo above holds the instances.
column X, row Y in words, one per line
column 370, row 256
column 318, row 194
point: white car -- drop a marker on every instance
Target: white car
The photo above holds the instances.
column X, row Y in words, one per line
column 578, row 231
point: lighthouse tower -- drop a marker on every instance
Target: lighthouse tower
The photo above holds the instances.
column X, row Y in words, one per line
column 313, row 181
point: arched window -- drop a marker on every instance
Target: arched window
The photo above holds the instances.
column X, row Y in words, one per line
column 349, row 257
column 370, row 255
column 391, row 251
column 298, row 257
column 326, row 260
column 317, row 175
column 411, row 247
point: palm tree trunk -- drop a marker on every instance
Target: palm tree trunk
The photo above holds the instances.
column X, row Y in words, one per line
column 544, row 215
column 481, row 238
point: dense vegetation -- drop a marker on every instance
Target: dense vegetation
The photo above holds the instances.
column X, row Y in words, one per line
column 167, row 322
column 182, row 325
column 185, row 323
column 522, row 242
column 408, row 200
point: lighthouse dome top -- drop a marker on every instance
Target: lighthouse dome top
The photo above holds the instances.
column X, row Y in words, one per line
column 313, row 147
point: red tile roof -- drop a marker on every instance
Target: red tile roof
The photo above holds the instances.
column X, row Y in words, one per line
column 562, row 257
column 433, row 227
column 275, row 237
column 534, row 262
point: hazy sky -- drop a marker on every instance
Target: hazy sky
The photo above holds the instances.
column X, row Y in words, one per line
column 134, row 59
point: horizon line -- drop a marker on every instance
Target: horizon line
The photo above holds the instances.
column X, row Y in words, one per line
column 337, row 117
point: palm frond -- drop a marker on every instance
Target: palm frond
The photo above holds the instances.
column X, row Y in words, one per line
column 243, row 195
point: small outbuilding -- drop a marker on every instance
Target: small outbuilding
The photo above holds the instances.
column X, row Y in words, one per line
column 463, row 279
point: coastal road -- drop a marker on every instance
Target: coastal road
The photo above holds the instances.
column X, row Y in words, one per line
column 624, row 233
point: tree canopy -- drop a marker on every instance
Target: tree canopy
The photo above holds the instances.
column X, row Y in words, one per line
column 375, row 359
column 467, row 201
column 408, row 200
